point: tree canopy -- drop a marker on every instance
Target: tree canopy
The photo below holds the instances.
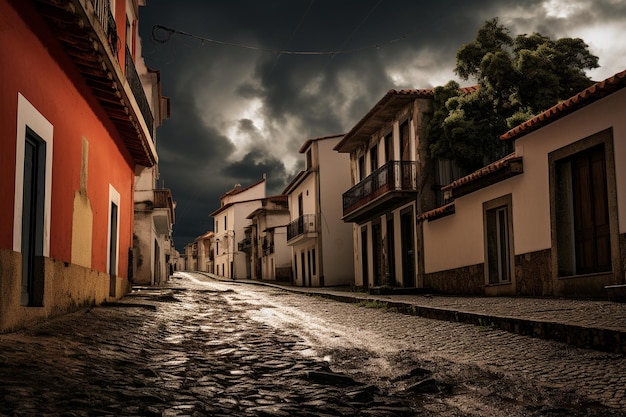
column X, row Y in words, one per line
column 518, row 78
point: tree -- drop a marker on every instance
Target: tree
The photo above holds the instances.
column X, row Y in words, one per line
column 518, row 78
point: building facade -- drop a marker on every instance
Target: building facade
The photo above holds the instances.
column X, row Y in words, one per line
column 229, row 226
column 547, row 220
column 265, row 241
column 320, row 241
column 76, row 127
column 391, row 182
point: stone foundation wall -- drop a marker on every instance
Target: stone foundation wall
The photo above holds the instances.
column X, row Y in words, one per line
column 468, row 280
column 533, row 273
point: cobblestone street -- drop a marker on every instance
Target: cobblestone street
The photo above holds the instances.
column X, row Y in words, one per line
column 209, row 348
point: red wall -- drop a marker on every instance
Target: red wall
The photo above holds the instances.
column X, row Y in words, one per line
column 43, row 74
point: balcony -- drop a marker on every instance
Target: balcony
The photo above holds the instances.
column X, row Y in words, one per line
column 163, row 211
column 392, row 184
column 303, row 227
column 88, row 33
column 244, row 245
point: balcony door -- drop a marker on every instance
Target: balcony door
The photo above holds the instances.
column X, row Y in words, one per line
column 33, row 219
column 407, row 247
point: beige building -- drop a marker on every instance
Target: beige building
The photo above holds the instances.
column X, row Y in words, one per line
column 391, row 182
column 191, row 257
column 205, row 253
column 153, row 206
column 265, row 241
column 230, row 224
column 320, row 241
column 547, row 220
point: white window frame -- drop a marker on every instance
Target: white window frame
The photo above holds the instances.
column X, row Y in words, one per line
column 28, row 115
column 114, row 197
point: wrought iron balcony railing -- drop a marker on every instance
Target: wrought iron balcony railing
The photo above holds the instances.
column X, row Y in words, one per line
column 306, row 223
column 137, row 88
column 393, row 176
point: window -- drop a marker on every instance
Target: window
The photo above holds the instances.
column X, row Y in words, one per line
column 405, row 142
column 498, row 229
column 217, row 226
column 581, row 191
column 389, row 147
column 309, row 159
column 362, row 168
column 373, row 158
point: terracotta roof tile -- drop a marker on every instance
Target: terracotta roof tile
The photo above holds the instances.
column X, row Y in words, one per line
column 589, row 95
column 488, row 169
column 437, row 213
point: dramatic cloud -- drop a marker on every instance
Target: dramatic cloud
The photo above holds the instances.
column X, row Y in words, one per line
column 241, row 113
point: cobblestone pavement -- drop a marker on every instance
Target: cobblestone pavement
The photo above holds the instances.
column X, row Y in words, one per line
column 207, row 348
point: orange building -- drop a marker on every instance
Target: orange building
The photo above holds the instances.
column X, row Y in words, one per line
column 75, row 127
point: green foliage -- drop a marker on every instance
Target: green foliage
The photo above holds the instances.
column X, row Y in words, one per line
column 518, row 78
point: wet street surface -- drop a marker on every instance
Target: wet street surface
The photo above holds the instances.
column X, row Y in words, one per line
column 209, row 348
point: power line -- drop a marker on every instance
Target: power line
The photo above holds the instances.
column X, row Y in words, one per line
column 172, row 31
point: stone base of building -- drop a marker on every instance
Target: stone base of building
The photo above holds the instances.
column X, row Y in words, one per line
column 66, row 287
column 533, row 277
column 468, row 280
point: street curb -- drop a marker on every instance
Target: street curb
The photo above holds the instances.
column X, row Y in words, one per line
column 605, row 340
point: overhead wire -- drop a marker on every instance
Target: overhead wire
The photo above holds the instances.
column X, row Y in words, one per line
column 172, row 31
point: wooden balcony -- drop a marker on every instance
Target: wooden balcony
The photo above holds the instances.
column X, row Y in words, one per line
column 392, row 184
column 88, row 32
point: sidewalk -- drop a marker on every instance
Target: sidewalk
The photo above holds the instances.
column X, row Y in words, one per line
column 590, row 324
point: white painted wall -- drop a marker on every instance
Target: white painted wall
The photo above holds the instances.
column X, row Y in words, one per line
column 457, row 240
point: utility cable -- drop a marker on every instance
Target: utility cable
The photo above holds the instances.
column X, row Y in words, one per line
column 169, row 31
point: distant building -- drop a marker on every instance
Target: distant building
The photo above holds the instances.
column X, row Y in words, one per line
column 229, row 226
column 547, row 220
column 191, row 256
column 205, row 252
column 76, row 127
column 321, row 243
column 266, row 241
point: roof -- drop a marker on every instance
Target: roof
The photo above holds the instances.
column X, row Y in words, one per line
column 438, row 212
column 308, row 142
column 499, row 170
column 384, row 110
column 295, row 181
column 207, row 235
column 239, row 189
column 587, row 96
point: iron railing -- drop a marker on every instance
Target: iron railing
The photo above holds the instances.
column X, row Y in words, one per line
column 306, row 223
column 137, row 88
column 244, row 245
column 105, row 17
column 393, row 176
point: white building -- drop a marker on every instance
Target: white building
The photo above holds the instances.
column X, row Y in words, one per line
column 547, row 220
column 270, row 257
column 322, row 246
column 229, row 224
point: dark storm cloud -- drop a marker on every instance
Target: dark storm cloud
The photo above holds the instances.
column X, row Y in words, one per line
column 240, row 113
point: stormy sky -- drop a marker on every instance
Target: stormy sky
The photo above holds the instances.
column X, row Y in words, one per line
column 243, row 102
